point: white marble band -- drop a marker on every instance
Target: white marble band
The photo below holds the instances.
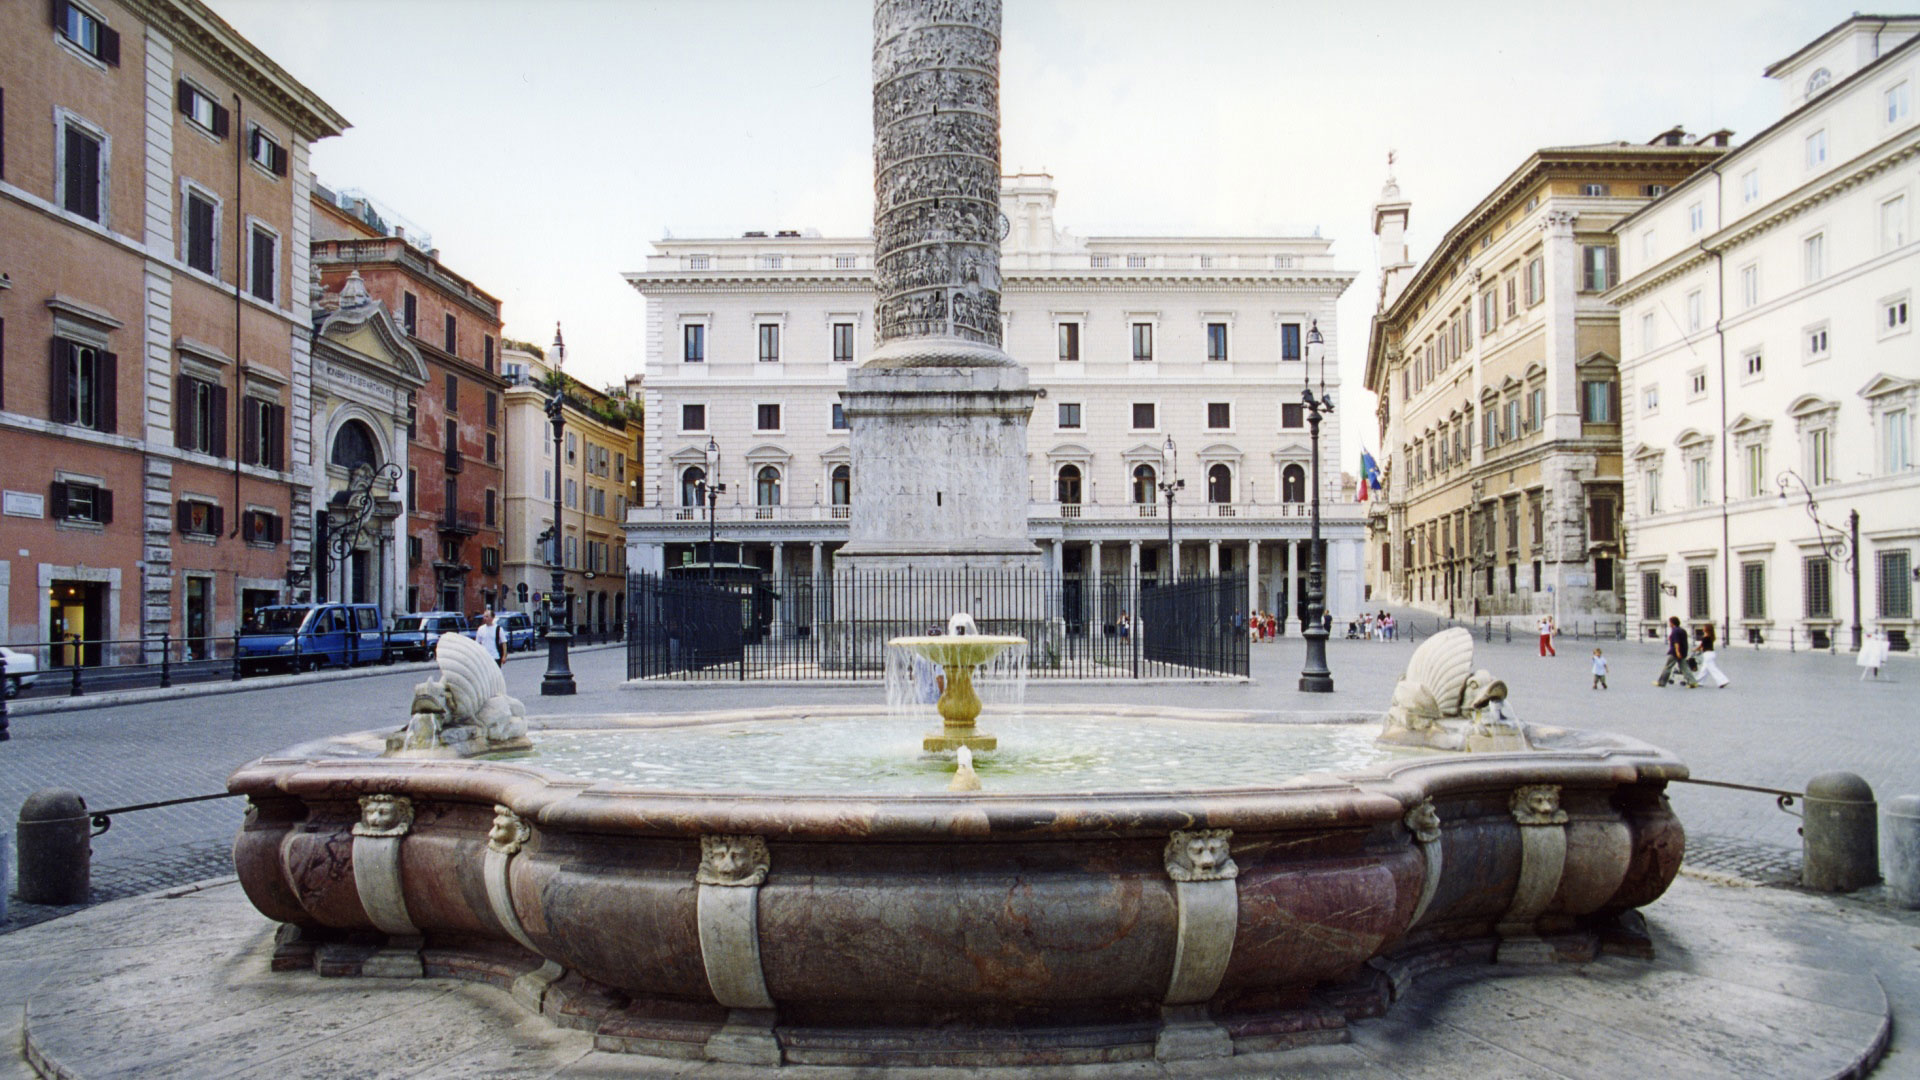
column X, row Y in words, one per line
column 730, row 945
column 1208, row 916
column 376, row 875
column 501, row 900
column 1431, row 850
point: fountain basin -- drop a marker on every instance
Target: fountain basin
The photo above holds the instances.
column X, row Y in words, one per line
column 969, row 928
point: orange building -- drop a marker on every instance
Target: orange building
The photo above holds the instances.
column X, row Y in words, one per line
column 456, row 449
column 154, row 324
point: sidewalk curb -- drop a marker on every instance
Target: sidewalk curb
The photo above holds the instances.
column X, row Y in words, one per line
column 48, row 706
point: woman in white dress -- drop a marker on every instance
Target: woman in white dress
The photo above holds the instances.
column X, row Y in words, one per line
column 1709, row 647
column 1873, row 654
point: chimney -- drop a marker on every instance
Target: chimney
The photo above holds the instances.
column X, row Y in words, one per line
column 1719, row 138
column 1673, row 136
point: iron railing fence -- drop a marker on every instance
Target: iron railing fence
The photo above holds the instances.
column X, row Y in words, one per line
column 1076, row 626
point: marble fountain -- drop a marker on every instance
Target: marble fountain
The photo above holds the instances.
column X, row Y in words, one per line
column 793, row 886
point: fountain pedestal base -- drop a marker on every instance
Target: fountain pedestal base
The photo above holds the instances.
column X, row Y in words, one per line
column 952, row 739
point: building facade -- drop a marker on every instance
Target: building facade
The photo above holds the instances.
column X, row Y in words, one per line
column 154, row 325
column 455, row 480
column 1130, row 341
column 1495, row 363
column 1770, row 363
column 600, row 477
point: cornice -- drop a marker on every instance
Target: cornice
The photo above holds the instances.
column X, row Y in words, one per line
column 708, row 282
column 193, row 24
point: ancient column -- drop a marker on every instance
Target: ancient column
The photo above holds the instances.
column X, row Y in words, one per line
column 938, row 413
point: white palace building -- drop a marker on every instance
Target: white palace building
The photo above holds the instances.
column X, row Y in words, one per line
column 1131, row 342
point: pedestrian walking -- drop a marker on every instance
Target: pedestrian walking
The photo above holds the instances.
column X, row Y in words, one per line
column 490, row 637
column 1709, row 647
column 1546, row 636
column 1873, row 655
column 1676, row 655
column 1599, row 670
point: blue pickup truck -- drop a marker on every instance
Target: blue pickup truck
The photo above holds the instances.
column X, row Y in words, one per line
column 302, row 637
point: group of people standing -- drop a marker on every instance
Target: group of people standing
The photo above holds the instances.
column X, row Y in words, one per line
column 1262, row 626
column 1686, row 657
column 1375, row 627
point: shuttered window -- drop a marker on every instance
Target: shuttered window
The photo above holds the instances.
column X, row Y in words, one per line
column 200, row 416
column 1816, row 586
column 1753, row 590
column 80, row 187
column 82, row 386
column 1895, row 574
column 1699, row 603
column 201, row 244
column 265, row 265
column 69, row 501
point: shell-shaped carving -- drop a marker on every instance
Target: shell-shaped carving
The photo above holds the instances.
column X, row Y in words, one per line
column 1442, row 666
column 471, row 676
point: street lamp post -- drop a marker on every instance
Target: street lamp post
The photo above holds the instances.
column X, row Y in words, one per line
column 1841, row 547
column 1315, row 677
column 558, row 680
column 710, row 493
column 1169, row 465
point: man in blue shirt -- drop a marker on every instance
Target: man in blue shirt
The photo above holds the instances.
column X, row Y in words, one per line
column 1676, row 655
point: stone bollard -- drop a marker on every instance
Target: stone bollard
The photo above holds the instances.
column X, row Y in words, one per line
column 54, row 848
column 1903, row 851
column 1839, row 831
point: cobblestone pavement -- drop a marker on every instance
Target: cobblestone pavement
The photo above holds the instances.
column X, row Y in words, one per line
column 1784, row 719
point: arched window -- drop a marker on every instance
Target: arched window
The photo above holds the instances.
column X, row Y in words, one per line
column 1219, row 484
column 1068, row 484
column 842, row 485
column 692, row 480
column 1293, row 484
column 1144, row 478
column 354, row 445
column 766, row 486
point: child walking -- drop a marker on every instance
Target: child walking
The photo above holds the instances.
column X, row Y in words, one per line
column 1599, row 671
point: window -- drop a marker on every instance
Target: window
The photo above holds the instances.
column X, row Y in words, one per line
column 841, row 481
column 1145, row 481
column 1695, row 306
column 200, row 416
column 1899, row 101
column 839, row 417
column 1216, row 341
column 1136, row 262
column 86, row 32
column 1490, row 428
column 1069, row 342
column 1142, row 341
column 80, row 502
column 1206, row 262
column 1650, row 401
column 1513, row 418
column 1753, row 590
column 264, row 270
column 486, row 348
column 1597, row 397
column 1293, row 484
column 693, row 343
column 1101, row 262
column 453, row 392
column 202, row 237
column 693, row 418
column 1817, row 149
column 572, row 493
column 84, row 167
column 1537, row 403
column 490, row 509
column 1069, row 418
column 1597, row 268
column 1893, row 315
column 1699, row 595
column 1536, row 280
column 1646, row 332
column 1594, row 190
column 1649, row 594
column 1750, row 285
column 766, row 486
column 1696, row 217
column 1290, row 341
column 1219, row 415
column 1895, row 577
column 1219, row 484
column 263, row 432
column 843, row 342
column 493, row 448
column 697, row 262
column 1513, row 296
column 845, row 262
column 410, row 313
column 199, row 106
column 1696, row 384
column 1896, row 453
column 1489, row 312
column 1293, row 415
column 451, row 340
column 1650, row 479
column 1753, row 364
column 1813, row 257
column 1816, row 586
column 1646, row 246
column 769, row 343
column 266, row 153
column 1750, row 185
column 572, row 447
column 1653, row 191
column 197, row 518
column 1702, row 488
column 493, row 409
column 1819, row 456
column 769, row 262
column 260, row 527
column 1143, row 418
column 1756, row 455
column 767, row 418
column 693, row 484
column 1893, row 223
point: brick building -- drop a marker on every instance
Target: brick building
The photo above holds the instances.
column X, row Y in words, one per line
column 455, row 478
column 154, row 323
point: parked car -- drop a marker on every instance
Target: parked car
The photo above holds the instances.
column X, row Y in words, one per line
column 23, row 666
column 518, row 625
column 308, row 636
column 414, row 636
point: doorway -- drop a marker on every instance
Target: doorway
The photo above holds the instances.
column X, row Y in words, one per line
column 199, row 616
column 77, row 619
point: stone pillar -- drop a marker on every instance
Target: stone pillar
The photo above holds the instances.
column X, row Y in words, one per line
column 1059, row 558
column 1096, row 619
column 1213, row 558
column 1253, row 575
column 819, row 585
column 780, row 614
column 1173, row 561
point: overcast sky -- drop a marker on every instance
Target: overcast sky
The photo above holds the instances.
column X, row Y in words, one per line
column 545, row 145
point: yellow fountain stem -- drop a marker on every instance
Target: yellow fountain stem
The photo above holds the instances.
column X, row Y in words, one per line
column 959, row 706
